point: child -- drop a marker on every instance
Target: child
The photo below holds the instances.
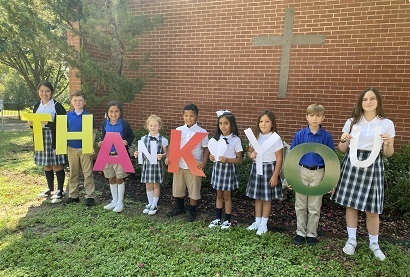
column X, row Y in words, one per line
column 264, row 188
column 48, row 158
column 115, row 172
column 362, row 188
column 76, row 159
column 153, row 174
column 224, row 175
column 184, row 179
column 311, row 171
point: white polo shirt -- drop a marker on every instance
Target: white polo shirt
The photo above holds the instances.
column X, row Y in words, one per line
column 187, row 134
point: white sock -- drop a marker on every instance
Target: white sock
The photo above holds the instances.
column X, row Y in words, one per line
column 150, row 195
column 258, row 220
column 155, row 201
column 264, row 221
column 351, row 233
column 373, row 239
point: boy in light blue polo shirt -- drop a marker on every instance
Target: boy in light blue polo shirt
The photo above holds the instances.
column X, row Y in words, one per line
column 76, row 158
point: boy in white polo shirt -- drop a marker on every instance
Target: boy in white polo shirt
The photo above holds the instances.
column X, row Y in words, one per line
column 184, row 180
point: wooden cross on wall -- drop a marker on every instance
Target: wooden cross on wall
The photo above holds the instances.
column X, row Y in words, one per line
column 286, row 41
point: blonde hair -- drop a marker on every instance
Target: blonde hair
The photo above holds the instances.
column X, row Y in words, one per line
column 155, row 118
column 315, row 109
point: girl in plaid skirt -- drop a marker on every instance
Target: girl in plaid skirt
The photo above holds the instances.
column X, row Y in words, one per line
column 362, row 188
column 264, row 188
column 153, row 174
column 224, row 174
column 48, row 158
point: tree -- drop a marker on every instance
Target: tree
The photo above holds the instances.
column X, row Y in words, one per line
column 110, row 27
column 31, row 44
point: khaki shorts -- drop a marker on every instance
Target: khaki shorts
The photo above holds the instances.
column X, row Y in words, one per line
column 114, row 170
column 184, row 180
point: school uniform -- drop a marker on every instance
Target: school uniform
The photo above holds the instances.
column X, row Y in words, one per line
column 124, row 128
column 258, row 186
column 77, row 160
column 153, row 173
column 225, row 175
column 311, row 171
column 49, row 157
column 363, row 188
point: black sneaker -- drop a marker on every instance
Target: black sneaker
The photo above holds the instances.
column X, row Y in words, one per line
column 192, row 214
column 175, row 212
column 71, row 200
column 298, row 240
column 311, row 241
column 89, row 202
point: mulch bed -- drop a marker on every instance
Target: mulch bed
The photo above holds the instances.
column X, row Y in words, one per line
column 393, row 228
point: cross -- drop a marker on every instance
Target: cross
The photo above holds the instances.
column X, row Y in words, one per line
column 286, row 41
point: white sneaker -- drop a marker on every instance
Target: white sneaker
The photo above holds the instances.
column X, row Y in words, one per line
column 110, row 206
column 350, row 246
column 44, row 194
column 146, row 210
column 59, row 194
column 225, row 225
column 119, row 207
column 374, row 247
column 56, row 200
column 153, row 210
column 253, row 227
column 215, row 223
column 263, row 228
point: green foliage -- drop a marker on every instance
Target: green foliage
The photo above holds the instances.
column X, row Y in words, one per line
column 397, row 181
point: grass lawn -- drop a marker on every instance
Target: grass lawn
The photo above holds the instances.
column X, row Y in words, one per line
column 38, row 238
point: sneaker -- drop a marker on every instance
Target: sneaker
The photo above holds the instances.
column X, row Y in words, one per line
column 44, row 194
column 89, row 202
column 191, row 216
column 350, row 246
column 72, row 200
column 56, row 200
column 298, row 240
column 153, row 210
column 311, row 241
column 119, row 207
column 374, row 247
column 175, row 212
column 253, row 227
column 58, row 194
column 215, row 223
column 110, row 206
column 225, row 225
column 262, row 229
column 146, row 210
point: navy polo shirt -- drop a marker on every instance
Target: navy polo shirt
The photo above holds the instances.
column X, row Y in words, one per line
column 117, row 127
column 75, row 123
column 304, row 136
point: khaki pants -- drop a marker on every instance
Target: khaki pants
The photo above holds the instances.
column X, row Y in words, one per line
column 77, row 160
column 308, row 207
column 184, row 180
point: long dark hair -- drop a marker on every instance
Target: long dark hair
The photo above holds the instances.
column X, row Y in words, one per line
column 46, row 84
column 232, row 123
column 357, row 112
column 113, row 103
column 272, row 118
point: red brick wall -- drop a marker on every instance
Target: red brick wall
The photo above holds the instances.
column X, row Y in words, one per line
column 204, row 54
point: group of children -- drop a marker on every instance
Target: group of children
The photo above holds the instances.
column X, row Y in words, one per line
column 357, row 189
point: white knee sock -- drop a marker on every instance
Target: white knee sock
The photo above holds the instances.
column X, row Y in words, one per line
column 155, row 201
column 150, row 195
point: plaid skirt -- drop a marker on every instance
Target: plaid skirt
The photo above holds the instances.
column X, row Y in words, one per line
column 258, row 185
column 224, row 176
column 48, row 156
column 152, row 173
column 361, row 188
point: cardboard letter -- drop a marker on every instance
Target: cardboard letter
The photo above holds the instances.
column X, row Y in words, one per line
column 37, row 119
column 260, row 149
column 152, row 157
column 217, row 148
column 86, row 135
column 354, row 143
column 176, row 152
column 103, row 158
